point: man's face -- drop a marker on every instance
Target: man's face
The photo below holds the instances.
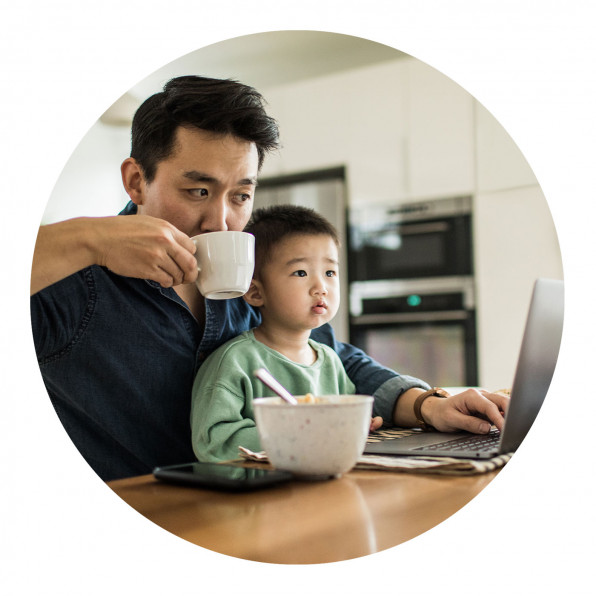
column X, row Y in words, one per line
column 206, row 185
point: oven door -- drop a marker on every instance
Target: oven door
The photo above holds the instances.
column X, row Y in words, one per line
column 439, row 347
column 424, row 328
column 407, row 250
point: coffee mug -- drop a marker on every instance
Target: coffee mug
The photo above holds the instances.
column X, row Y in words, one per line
column 226, row 263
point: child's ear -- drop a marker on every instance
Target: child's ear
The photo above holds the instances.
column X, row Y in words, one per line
column 254, row 296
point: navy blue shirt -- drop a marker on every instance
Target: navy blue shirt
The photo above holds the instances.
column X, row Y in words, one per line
column 118, row 356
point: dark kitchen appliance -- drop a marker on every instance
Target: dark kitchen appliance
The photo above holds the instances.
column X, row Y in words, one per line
column 424, row 328
column 417, row 240
column 412, row 298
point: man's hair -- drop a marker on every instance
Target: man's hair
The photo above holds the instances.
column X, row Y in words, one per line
column 221, row 106
column 271, row 225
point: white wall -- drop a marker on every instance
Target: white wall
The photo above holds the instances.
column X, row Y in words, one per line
column 404, row 132
column 354, row 118
column 90, row 183
column 516, row 242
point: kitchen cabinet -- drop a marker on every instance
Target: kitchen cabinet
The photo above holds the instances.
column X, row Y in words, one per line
column 499, row 162
column 440, row 135
column 375, row 150
column 403, row 130
column 515, row 243
column 354, row 119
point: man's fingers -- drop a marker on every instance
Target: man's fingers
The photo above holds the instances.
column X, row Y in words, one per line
column 486, row 412
column 170, row 277
column 472, row 424
column 473, row 411
column 148, row 248
column 180, row 268
column 499, row 399
column 184, row 241
column 183, row 265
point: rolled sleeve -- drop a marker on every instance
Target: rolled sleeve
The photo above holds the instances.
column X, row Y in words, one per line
column 387, row 394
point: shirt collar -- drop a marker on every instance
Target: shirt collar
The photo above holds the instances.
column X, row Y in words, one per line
column 130, row 209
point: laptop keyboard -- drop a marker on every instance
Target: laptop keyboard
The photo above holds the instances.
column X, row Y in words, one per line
column 486, row 442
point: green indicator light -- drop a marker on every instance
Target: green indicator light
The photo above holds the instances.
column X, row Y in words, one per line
column 414, row 300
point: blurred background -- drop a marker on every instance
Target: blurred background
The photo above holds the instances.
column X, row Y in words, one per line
column 444, row 226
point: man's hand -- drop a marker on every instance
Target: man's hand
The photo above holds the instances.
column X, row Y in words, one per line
column 133, row 245
column 474, row 411
column 148, row 248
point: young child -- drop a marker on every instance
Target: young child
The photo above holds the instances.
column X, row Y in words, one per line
column 296, row 289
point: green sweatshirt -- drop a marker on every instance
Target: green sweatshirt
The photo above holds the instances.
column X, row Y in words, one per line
column 222, row 417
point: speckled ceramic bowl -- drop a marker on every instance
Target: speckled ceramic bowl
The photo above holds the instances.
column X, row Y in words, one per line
column 314, row 440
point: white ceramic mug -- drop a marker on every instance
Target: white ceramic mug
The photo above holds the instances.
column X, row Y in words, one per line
column 226, row 263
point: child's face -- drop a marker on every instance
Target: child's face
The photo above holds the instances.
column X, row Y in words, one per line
column 300, row 282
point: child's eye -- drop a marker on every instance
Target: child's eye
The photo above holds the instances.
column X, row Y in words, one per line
column 299, row 273
column 331, row 273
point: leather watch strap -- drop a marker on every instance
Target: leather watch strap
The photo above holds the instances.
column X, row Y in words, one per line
column 434, row 392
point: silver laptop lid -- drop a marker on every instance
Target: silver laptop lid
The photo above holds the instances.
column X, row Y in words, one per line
column 537, row 360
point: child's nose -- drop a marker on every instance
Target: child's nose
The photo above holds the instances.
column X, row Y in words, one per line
column 320, row 287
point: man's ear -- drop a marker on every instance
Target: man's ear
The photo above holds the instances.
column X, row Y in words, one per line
column 133, row 180
column 254, row 295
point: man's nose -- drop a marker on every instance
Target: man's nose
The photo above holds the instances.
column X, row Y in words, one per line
column 215, row 216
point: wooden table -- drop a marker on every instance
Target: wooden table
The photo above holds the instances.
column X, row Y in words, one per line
column 361, row 513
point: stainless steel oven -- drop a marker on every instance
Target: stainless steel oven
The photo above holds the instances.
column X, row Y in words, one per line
column 424, row 328
column 427, row 239
column 412, row 300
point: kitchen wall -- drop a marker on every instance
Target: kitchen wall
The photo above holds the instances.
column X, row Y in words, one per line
column 404, row 132
column 90, row 183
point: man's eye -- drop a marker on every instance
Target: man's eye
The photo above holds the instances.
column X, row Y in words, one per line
column 299, row 273
column 199, row 192
column 242, row 197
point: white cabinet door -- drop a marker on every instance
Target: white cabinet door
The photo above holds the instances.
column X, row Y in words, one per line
column 515, row 243
column 500, row 163
column 440, row 121
column 355, row 119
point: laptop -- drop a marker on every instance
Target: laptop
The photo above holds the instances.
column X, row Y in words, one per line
column 534, row 371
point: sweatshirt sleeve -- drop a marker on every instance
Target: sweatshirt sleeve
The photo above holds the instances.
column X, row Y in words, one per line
column 220, row 418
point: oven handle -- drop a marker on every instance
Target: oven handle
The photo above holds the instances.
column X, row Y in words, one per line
column 411, row 317
column 407, row 229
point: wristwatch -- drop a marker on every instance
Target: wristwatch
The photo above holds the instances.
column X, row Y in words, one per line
column 434, row 392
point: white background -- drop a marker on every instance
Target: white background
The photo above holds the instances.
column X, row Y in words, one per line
column 531, row 63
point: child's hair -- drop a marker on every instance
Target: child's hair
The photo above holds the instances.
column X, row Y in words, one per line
column 270, row 225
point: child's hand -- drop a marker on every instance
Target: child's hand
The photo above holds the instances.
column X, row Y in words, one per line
column 376, row 423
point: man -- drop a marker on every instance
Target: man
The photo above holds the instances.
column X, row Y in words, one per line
column 120, row 328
